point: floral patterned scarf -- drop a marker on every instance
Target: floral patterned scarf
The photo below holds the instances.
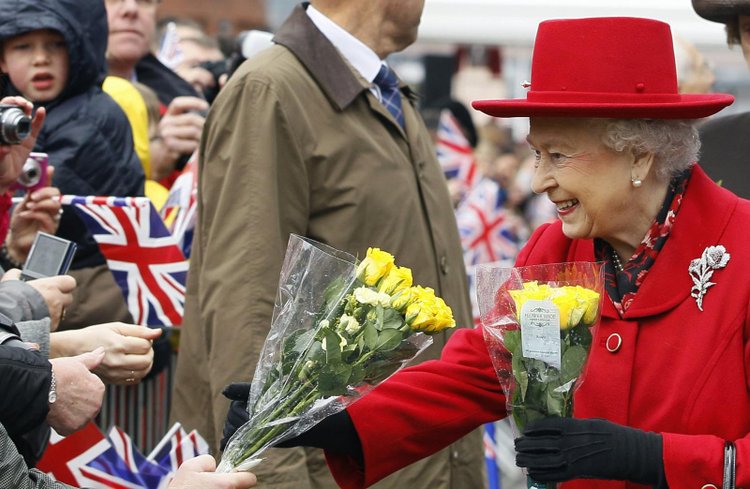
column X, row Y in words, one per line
column 623, row 285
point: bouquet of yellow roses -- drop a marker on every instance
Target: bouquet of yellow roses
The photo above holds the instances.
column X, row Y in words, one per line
column 339, row 328
column 538, row 323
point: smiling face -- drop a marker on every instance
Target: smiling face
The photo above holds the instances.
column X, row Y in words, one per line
column 589, row 183
column 37, row 64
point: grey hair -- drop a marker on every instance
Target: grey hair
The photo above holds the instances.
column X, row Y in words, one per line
column 673, row 142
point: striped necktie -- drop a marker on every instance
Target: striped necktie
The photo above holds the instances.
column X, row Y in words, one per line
column 390, row 93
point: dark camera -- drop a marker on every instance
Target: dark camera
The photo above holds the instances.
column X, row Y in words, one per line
column 15, row 125
column 216, row 68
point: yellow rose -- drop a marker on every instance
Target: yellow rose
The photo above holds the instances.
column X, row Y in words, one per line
column 401, row 300
column 428, row 312
column 575, row 303
column 531, row 291
column 591, row 298
column 571, row 308
column 376, row 265
column 397, row 279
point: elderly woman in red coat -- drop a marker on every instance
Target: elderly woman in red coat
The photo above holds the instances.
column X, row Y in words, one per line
column 666, row 402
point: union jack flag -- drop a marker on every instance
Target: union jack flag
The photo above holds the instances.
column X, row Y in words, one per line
column 455, row 154
column 143, row 256
column 87, row 459
column 179, row 211
column 153, row 475
column 176, row 447
column 489, row 232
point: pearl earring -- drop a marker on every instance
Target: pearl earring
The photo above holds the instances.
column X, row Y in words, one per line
column 636, row 182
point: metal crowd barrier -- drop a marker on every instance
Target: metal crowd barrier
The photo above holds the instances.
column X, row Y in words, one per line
column 142, row 410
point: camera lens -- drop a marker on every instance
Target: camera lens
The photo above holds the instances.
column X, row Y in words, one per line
column 31, row 173
column 15, row 126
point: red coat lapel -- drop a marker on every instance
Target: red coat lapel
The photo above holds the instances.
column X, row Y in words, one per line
column 701, row 221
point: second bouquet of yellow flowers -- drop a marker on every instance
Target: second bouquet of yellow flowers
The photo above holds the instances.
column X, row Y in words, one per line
column 339, row 329
column 538, row 323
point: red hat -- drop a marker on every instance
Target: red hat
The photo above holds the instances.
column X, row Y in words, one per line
column 615, row 67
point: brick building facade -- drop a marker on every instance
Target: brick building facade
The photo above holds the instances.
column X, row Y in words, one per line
column 219, row 17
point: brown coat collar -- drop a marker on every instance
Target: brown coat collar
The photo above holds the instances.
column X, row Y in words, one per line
column 322, row 59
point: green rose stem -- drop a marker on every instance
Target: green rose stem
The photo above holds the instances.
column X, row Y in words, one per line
column 308, row 399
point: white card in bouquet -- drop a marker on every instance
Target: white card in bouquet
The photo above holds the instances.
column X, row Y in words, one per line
column 540, row 331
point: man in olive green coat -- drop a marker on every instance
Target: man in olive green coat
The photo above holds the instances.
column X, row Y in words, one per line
column 299, row 142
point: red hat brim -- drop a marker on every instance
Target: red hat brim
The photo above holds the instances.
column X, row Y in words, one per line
column 688, row 106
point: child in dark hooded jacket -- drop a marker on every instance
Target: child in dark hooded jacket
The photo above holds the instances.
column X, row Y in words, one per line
column 53, row 53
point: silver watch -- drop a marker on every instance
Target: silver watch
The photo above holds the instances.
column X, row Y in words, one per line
column 52, row 389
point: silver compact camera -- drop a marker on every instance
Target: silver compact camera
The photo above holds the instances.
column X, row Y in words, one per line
column 15, row 125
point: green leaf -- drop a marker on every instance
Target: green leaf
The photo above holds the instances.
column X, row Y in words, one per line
column 316, row 353
column 333, row 350
column 388, row 339
column 512, row 341
column 578, row 336
column 379, row 317
column 294, row 346
column 392, row 319
column 379, row 370
column 333, row 379
column 521, row 375
column 370, row 336
column 555, row 402
column 357, row 375
column 573, row 359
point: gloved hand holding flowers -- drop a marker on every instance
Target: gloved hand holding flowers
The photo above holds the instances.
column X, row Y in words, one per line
column 338, row 330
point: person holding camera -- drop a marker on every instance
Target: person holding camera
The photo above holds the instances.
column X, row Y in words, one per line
column 31, row 310
column 53, row 53
column 132, row 31
column 39, row 304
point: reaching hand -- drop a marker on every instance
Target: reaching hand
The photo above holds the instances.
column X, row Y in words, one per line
column 561, row 449
column 128, row 349
column 79, row 392
column 12, row 157
column 198, row 473
column 57, row 292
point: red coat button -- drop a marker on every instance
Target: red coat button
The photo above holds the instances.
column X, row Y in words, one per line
column 614, row 342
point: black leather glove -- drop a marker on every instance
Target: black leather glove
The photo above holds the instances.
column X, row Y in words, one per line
column 560, row 449
column 237, row 414
column 335, row 433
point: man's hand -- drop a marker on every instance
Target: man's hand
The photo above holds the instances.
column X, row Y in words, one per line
column 180, row 131
column 79, row 392
column 58, row 294
column 128, row 352
column 13, row 156
column 198, row 473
